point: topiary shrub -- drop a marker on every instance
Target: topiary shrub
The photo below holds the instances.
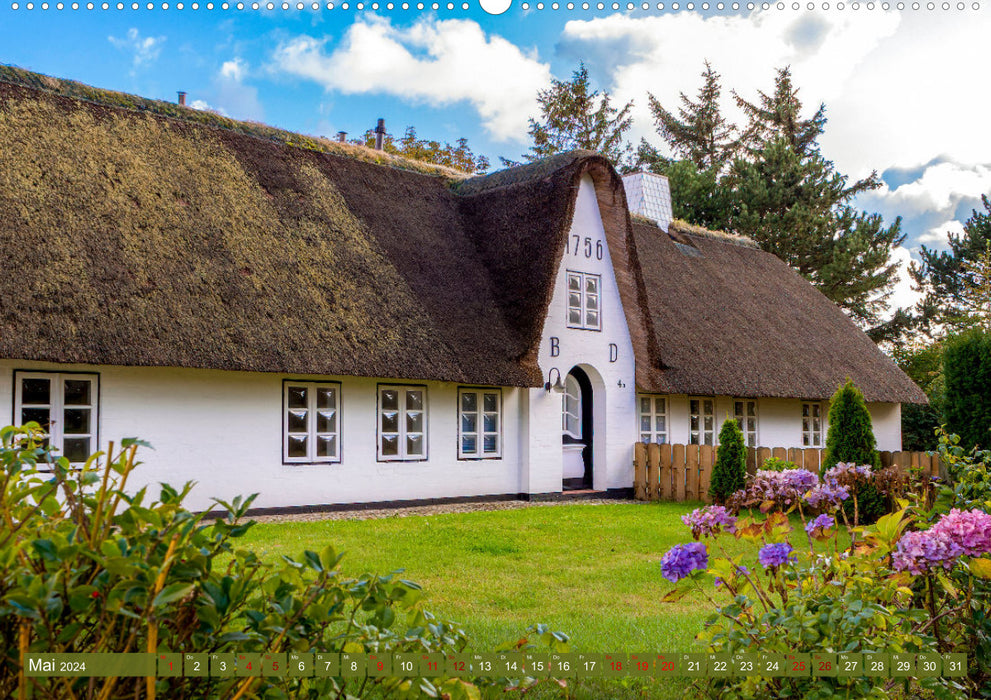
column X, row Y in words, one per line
column 967, row 401
column 851, row 440
column 730, row 471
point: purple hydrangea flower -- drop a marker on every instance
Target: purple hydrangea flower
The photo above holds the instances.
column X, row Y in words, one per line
column 828, row 495
column 771, row 488
column 773, row 555
column 920, row 552
column 682, row 559
column 708, row 521
column 848, row 474
column 820, row 524
column 966, row 531
column 799, row 479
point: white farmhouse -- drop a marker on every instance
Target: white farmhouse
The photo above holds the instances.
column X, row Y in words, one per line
column 303, row 322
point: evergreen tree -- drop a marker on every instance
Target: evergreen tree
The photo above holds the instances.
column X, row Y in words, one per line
column 700, row 133
column 458, row 156
column 945, row 275
column 967, row 402
column 779, row 116
column 729, row 473
column 850, row 437
column 923, row 363
column 574, row 116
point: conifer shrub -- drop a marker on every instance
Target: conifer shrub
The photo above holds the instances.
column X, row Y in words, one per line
column 851, row 440
column 730, row 471
column 967, row 402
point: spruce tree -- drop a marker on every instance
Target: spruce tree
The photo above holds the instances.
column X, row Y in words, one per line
column 575, row 116
column 701, row 134
column 730, row 470
column 967, row 398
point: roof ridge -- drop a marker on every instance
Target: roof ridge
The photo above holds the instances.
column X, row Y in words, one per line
column 113, row 99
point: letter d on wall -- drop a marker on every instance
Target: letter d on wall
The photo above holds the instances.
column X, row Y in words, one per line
column 613, row 352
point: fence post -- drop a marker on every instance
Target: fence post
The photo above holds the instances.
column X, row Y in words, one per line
column 677, row 467
column 665, row 490
column 779, row 453
column 653, row 467
column 640, row 471
column 706, row 460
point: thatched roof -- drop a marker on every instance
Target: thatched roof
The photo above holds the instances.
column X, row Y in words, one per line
column 134, row 232
column 733, row 320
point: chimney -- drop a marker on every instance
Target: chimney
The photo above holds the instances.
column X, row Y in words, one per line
column 342, row 136
column 379, row 134
column 182, row 98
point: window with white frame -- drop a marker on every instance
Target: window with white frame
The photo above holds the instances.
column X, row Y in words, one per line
column 812, row 424
column 571, row 408
column 66, row 407
column 583, row 300
column 311, row 422
column 480, row 427
column 402, row 423
column 702, row 420
column 745, row 413
column 654, row 419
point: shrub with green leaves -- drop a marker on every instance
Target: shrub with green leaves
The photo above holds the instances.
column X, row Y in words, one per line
column 729, row 473
column 85, row 567
column 967, row 397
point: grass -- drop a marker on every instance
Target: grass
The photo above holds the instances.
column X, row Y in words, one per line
column 591, row 571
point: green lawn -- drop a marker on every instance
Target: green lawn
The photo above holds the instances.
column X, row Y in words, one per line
column 591, row 571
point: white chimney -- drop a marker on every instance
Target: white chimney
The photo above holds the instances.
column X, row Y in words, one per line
column 649, row 195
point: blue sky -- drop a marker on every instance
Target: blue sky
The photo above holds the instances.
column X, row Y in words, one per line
column 904, row 90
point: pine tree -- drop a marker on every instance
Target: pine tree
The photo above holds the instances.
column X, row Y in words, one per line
column 794, row 204
column 574, row 116
column 944, row 274
column 729, row 473
column 701, row 134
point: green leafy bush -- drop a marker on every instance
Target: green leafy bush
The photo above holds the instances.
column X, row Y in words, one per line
column 773, row 464
column 730, row 470
column 85, row 567
column 967, row 398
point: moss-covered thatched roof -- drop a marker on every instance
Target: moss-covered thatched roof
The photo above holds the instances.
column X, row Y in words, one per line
column 135, row 232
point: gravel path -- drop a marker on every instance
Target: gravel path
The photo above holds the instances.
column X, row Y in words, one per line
column 430, row 510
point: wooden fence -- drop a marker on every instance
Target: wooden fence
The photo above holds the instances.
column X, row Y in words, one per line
column 683, row 472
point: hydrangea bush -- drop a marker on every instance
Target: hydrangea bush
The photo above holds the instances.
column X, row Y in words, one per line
column 916, row 581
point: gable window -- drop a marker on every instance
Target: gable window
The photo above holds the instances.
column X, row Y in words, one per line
column 702, row 420
column 311, row 422
column 745, row 413
column 812, row 424
column 571, row 408
column 402, row 423
column 66, row 407
column 480, row 423
column 583, row 300
column 654, row 419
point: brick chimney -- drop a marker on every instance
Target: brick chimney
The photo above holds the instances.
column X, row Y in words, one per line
column 379, row 134
column 182, row 98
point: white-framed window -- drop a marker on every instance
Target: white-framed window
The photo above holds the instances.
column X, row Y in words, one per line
column 311, row 422
column 745, row 413
column 702, row 421
column 812, row 424
column 402, row 423
column 480, row 424
column 65, row 405
column 583, row 300
column 571, row 408
column 654, row 419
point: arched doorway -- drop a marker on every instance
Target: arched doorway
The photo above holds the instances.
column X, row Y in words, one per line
column 577, row 433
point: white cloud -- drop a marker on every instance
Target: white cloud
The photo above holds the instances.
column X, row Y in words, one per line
column 144, row 49
column 439, row 62
column 205, row 106
column 664, row 54
column 941, row 188
column 902, row 294
column 939, row 235
column 234, row 70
